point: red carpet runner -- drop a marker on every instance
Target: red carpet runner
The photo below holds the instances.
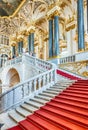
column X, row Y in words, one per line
column 67, row 111
column 60, row 72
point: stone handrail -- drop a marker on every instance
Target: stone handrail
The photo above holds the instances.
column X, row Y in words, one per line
column 74, row 58
column 30, row 87
column 13, row 61
column 67, row 59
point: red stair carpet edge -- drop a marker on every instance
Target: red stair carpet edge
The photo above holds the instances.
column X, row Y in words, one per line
column 60, row 72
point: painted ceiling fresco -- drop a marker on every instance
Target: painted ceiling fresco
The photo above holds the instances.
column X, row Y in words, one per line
column 8, row 7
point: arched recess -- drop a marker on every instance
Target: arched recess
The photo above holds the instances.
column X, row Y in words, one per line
column 12, row 77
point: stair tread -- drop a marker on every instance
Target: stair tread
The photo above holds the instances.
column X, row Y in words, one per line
column 51, row 92
column 76, row 102
column 48, row 94
column 15, row 116
column 56, row 120
column 23, row 111
column 43, row 123
column 27, row 125
column 73, row 94
column 15, row 128
column 29, row 107
column 76, row 91
column 35, row 104
column 85, row 84
column 70, row 108
column 74, row 88
column 56, row 88
column 44, row 98
column 72, row 98
column 79, row 87
column 66, row 114
column 85, row 106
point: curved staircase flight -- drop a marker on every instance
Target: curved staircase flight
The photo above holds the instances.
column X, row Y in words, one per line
column 68, row 110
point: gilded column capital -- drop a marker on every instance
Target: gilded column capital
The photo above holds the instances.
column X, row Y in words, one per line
column 20, row 38
column 13, row 43
column 31, row 29
column 53, row 10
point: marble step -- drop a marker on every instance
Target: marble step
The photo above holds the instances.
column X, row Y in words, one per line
column 29, row 107
column 16, row 116
column 48, row 94
column 39, row 100
column 7, row 121
column 43, row 97
column 34, row 104
column 60, row 86
column 23, row 111
column 57, row 89
column 64, row 83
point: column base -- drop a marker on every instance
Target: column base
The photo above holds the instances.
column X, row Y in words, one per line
column 81, row 50
column 54, row 57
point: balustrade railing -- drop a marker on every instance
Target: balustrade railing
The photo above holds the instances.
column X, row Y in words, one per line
column 13, row 61
column 74, row 58
column 67, row 59
column 30, row 87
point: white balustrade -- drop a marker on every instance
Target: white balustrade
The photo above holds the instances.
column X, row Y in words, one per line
column 13, row 61
column 30, row 87
column 67, row 59
column 75, row 58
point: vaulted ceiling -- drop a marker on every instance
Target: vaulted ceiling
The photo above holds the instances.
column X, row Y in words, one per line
column 30, row 11
column 8, row 7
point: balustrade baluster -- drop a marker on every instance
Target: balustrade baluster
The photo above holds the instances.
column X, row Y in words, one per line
column 47, row 78
column 43, row 80
column 35, row 84
column 39, row 82
column 23, row 93
column 30, row 87
column 51, row 77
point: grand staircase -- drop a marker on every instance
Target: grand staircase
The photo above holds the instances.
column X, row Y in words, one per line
column 54, row 109
column 20, row 113
column 42, row 103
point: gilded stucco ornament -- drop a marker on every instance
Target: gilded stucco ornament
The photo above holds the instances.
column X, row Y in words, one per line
column 79, row 68
column 71, row 23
